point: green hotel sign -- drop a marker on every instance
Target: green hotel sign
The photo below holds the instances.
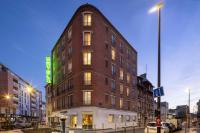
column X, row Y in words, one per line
column 48, row 69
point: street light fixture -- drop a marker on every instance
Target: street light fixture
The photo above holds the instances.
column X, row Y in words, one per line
column 7, row 96
column 157, row 8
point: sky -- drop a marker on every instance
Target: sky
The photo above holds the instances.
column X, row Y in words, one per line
column 30, row 29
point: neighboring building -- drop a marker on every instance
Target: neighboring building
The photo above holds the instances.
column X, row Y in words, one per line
column 43, row 113
column 145, row 100
column 181, row 112
column 48, row 105
column 164, row 109
column 94, row 74
column 22, row 104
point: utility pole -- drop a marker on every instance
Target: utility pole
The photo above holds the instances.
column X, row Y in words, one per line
column 159, row 67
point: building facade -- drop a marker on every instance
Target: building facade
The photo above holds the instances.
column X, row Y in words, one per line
column 145, row 100
column 164, row 110
column 94, row 74
column 16, row 100
column 182, row 111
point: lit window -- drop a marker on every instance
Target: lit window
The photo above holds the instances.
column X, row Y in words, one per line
column 121, row 74
column 70, row 66
column 112, row 98
column 121, row 102
column 113, row 53
column 87, row 78
column 128, row 78
column 87, row 38
column 87, row 97
column 86, row 58
column 87, row 19
column 111, row 118
column 121, row 88
column 127, row 91
column 69, row 33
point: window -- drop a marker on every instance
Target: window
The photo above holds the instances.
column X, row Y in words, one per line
column 128, row 78
column 87, row 58
column 127, row 91
column 106, row 81
column 87, row 97
column 128, row 118
column 87, row 19
column 70, row 100
column 111, row 118
column 121, row 74
column 106, row 98
column 121, row 47
column 113, row 54
column 69, row 65
column 113, row 69
column 106, row 63
column 70, row 33
column 121, row 102
column 113, row 85
column 87, row 78
column 87, row 38
column 112, row 98
column 121, row 60
column 121, row 118
column 70, row 84
column 69, row 50
column 113, row 39
column 121, row 88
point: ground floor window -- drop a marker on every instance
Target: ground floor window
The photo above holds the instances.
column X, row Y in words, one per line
column 111, row 118
column 73, row 121
column 87, row 120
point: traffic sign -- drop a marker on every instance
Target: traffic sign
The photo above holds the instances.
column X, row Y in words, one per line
column 158, row 92
column 158, row 121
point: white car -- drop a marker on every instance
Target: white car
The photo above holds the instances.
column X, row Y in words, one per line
column 151, row 128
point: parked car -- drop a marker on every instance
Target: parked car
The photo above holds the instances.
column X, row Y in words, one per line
column 152, row 128
column 169, row 125
column 22, row 124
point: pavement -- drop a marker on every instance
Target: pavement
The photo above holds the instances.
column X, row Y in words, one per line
column 12, row 131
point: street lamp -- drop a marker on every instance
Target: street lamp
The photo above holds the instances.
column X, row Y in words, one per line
column 7, row 96
column 157, row 8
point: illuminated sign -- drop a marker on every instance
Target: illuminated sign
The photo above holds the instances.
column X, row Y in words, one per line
column 48, row 69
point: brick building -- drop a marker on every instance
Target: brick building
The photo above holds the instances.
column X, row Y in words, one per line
column 145, row 100
column 94, row 74
column 21, row 103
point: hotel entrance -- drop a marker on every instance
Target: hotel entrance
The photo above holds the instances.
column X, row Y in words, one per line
column 73, row 121
column 87, row 120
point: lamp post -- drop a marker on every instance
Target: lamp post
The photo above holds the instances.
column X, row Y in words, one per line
column 157, row 8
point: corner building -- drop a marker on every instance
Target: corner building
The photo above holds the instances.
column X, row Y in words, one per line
column 94, row 74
